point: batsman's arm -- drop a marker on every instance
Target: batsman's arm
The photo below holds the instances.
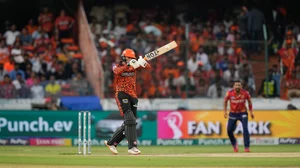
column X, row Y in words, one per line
column 148, row 66
column 119, row 70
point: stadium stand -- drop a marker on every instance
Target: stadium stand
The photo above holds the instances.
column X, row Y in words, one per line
column 42, row 60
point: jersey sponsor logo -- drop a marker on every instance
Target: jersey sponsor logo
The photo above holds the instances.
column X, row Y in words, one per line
column 126, row 74
column 125, row 100
column 232, row 97
column 237, row 101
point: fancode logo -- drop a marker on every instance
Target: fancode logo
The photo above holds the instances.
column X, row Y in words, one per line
column 152, row 54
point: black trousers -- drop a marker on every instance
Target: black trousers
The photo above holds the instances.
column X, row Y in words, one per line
column 126, row 102
column 243, row 118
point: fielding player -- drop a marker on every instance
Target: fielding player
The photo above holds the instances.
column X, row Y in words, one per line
column 238, row 111
column 126, row 98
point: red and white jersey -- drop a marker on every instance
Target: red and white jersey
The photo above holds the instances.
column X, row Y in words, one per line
column 237, row 101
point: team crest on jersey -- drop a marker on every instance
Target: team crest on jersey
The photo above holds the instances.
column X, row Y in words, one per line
column 232, row 97
column 242, row 96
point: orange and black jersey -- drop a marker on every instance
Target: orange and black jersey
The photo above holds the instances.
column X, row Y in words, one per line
column 126, row 78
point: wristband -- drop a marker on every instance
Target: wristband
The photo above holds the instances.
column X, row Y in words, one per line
column 250, row 106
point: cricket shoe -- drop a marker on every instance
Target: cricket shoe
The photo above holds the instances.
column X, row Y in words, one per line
column 134, row 151
column 247, row 150
column 235, row 148
column 112, row 148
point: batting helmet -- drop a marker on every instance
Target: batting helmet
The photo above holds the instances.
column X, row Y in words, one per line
column 128, row 53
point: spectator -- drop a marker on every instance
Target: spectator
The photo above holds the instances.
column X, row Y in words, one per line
column 223, row 63
column 120, row 29
column 222, row 34
column 30, row 80
column 17, row 70
column 192, row 63
column 37, row 91
column 38, row 33
column 9, row 65
column 171, row 87
column 2, row 72
column 293, row 86
column 30, row 27
column 11, row 35
column 46, row 20
column 43, row 81
column 268, row 88
column 201, row 88
column 44, row 71
column 64, row 24
column 60, row 72
column 256, row 19
column 276, row 76
column 79, row 85
column 217, row 77
column 203, row 58
column 7, row 89
column 17, row 52
column 228, row 22
column 184, row 81
column 242, row 22
column 25, row 63
column 37, row 63
column 25, row 37
column 246, row 86
column 52, row 89
column 21, row 88
column 231, row 73
column 231, row 36
column 216, row 90
column 41, row 43
column 4, row 52
column 277, row 22
column 95, row 27
column 289, row 41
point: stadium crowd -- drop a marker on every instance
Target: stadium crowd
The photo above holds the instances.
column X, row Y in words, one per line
column 214, row 60
column 41, row 60
column 207, row 62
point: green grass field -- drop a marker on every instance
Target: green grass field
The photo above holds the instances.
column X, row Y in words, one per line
column 152, row 156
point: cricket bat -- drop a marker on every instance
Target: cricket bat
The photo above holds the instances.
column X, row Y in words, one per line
column 153, row 54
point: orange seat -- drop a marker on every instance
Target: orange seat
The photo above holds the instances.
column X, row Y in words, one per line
column 78, row 55
column 73, row 48
column 29, row 48
column 67, row 40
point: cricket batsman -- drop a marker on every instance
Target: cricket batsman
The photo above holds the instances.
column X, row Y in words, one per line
column 126, row 98
column 238, row 111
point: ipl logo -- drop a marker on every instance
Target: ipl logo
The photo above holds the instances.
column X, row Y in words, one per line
column 174, row 120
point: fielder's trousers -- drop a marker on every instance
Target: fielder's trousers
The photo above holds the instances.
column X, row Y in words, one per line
column 231, row 126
